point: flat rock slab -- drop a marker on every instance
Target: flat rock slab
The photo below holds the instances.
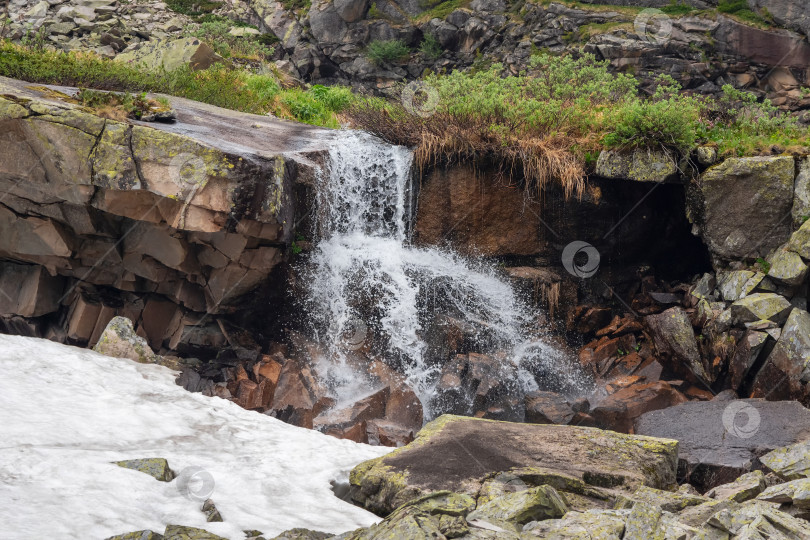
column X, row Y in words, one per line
column 458, row 453
column 719, row 440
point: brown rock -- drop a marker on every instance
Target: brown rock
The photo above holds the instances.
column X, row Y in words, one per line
column 369, row 408
column 27, row 290
column 548, row 408
column 386, row 433
column 356, row 432
column 619, row 410
column 477, row 216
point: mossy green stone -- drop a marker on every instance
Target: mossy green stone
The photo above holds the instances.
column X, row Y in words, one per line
column 157, row 468
column 137, row 535
column 180, row 532
column 541, row 502
column 11, row 111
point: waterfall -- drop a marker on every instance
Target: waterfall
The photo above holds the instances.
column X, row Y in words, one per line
column 372, row 294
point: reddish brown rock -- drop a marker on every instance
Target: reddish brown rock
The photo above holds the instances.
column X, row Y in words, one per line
column 548, row 408
column 386, row 433
column 356, row 432
column 587, row 319
column 619, row 410
column 476, row 215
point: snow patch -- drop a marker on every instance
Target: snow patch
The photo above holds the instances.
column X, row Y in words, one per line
column 66, row 413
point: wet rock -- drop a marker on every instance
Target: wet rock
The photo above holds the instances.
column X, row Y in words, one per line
column 478, row 383
column 743, row 202
column 120, row 341
column 561, row 456
column 477, row 216
column 548, row 408
column 719, row 440
column 157, row 468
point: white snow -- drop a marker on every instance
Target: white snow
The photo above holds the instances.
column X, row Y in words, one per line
column 66, row 413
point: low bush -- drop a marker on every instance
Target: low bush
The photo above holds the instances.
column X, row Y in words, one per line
column 383, row 52
column 216, row 32
column 430, row 47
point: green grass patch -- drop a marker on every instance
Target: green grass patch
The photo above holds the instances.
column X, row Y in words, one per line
column 386, row 52
column 193, row 8
column 739, row 8
column 439, row 9
column 546, row 124
column 215, row 32
column 221, row 86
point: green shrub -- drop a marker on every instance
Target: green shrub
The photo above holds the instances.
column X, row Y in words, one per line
column 381, row 52
column 215, row 32
column 677, row 7
column 740, row 9
column 430, row 46
column 193, row 8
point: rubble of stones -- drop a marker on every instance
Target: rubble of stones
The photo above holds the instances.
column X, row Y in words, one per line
column 558, row 490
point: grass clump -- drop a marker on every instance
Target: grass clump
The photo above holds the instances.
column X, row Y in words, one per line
column 386, row 52
column 193, row 8
column 220, row 85
column 216, row 32
column 546, row 124
column 739, row 8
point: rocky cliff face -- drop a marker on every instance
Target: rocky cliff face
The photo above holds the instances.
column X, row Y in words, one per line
column 169, row 225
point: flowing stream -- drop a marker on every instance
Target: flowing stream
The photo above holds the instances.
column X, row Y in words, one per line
column 371, row 292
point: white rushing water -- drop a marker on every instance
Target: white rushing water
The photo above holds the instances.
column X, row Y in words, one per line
column 367, row 283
